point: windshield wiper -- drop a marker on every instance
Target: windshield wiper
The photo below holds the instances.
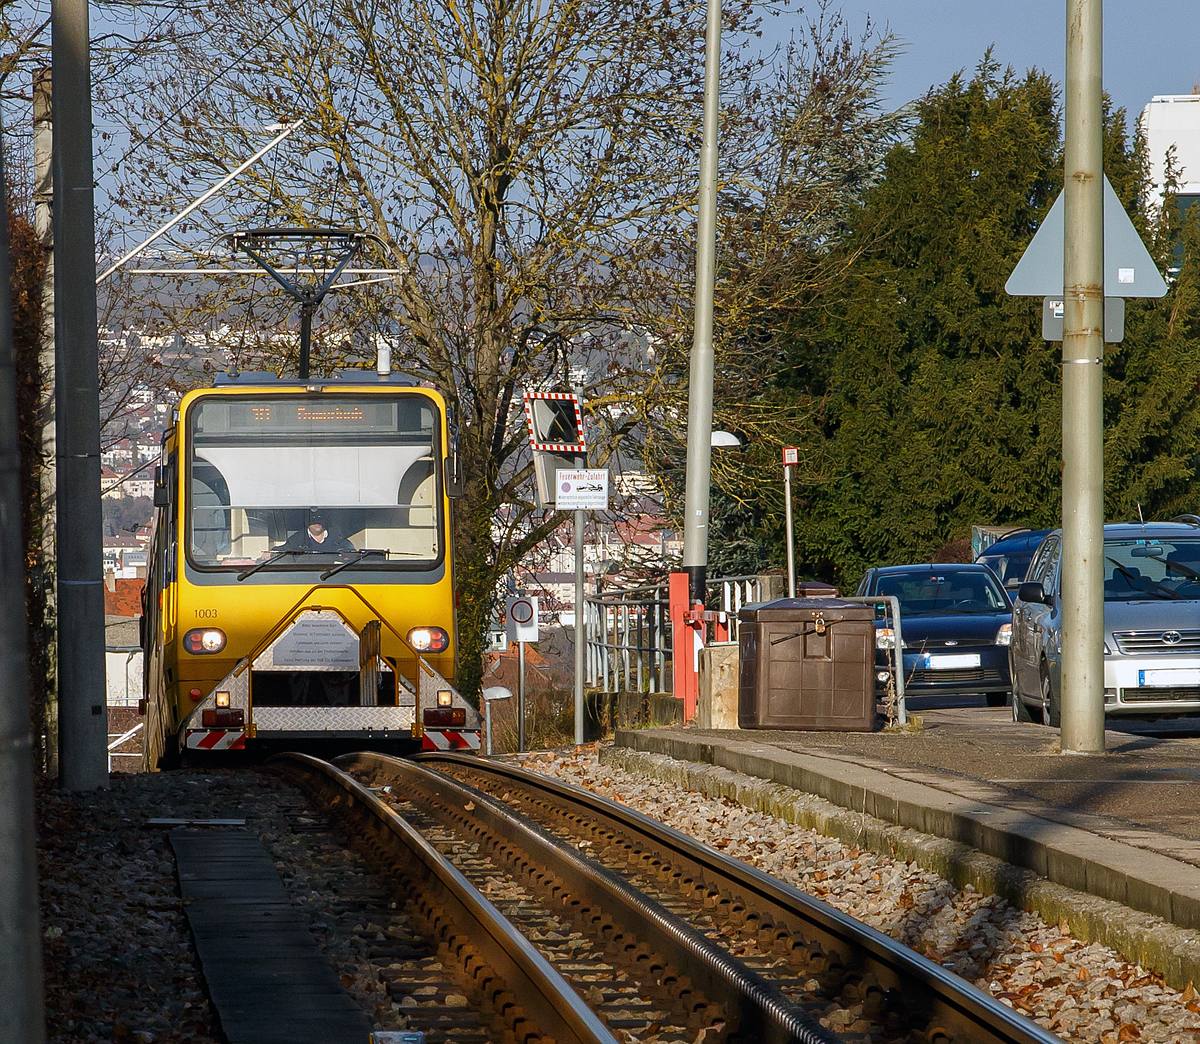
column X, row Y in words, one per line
column 1179, row 567
column 267, row 561
column 1130, row 576
column 365, row 552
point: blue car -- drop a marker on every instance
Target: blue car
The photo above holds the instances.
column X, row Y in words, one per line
column 956, row 622
column 1009, row 557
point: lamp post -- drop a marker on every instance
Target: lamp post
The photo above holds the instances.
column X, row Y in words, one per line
column 490, row 695
column 791, row 456
column 700, row 387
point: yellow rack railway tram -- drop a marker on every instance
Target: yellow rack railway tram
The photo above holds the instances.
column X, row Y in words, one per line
column 300, row 589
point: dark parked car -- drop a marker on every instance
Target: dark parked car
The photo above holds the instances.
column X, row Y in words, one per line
column 956, row 622
column 1009, row 557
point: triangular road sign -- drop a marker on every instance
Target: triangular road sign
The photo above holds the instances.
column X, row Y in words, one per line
column 1128, row 268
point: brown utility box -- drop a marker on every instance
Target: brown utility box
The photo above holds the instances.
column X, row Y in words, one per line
column 807, row 663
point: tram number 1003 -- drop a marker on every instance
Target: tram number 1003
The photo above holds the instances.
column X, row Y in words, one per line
column 206, row 614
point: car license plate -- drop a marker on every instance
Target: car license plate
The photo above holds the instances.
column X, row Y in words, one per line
column 1169, row 678
column 949, row 663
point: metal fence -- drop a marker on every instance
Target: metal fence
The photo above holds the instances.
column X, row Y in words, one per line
column 628, row 631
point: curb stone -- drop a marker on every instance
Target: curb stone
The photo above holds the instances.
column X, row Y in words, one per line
column 1155, row 944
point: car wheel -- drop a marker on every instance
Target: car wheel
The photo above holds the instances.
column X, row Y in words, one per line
column 1020, row 712
column 1051, row 714
column 997, row 699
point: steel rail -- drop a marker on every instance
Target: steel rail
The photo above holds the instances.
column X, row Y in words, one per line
column 755, row 1007
column 964, row 1012
column 544, row 994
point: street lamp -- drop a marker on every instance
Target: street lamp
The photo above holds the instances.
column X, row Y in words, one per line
column 490, row 695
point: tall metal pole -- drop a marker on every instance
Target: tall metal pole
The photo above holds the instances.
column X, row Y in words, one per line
column 21, row 1015
column 1083, row 373
column 520, row 697
column 700, row 387
column 43, row 198
column 580, row 627
column 83, row 718
column 787, row 513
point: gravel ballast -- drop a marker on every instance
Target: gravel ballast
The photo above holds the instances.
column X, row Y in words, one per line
column 118, row 956
column 1077, row 990
column 120, row 966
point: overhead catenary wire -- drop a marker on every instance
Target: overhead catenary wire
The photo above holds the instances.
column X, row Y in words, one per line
column 200, row 200
column 215, row 78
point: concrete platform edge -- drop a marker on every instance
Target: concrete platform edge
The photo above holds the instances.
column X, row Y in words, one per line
column 1154, row 942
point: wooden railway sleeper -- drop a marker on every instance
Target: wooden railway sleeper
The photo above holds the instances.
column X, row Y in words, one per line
column 771, row 935
column 619, row 944
column 818, row 951
column 696, row 1010
column 772, row 1017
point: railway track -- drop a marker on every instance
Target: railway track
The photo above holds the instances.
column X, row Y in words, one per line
column 491, row 985
column 664, row 939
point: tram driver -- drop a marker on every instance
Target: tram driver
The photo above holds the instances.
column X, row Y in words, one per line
column 315, row 537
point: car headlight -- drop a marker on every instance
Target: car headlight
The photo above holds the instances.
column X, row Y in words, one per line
column 1107, row 650
column 885, row 638
column 1004, row 635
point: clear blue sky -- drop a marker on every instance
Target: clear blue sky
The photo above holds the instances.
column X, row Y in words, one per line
column 1149, row 48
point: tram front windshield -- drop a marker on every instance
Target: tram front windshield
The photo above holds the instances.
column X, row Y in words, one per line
column 321, row 478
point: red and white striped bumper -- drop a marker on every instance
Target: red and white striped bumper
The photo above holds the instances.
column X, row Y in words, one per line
column 447, row 739
column 216, row 739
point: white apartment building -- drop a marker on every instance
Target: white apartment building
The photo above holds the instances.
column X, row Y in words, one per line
column 1174, row 120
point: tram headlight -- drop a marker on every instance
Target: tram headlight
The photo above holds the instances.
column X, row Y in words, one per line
column 204, row 641
column 429, row 639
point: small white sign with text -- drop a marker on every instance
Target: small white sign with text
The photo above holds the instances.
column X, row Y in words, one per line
column 585, row 490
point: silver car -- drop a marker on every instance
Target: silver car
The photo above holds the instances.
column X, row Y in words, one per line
column 1151, row 625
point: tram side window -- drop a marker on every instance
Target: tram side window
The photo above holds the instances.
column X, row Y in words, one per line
column 210, row 512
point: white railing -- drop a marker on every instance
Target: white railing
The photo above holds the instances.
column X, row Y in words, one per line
column 628, row 631
column 123, row 738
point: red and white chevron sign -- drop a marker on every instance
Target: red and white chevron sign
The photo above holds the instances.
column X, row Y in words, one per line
column 438, row 739
column 216, row 739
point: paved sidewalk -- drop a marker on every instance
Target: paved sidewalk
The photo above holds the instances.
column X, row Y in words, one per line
column 1123, row 826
